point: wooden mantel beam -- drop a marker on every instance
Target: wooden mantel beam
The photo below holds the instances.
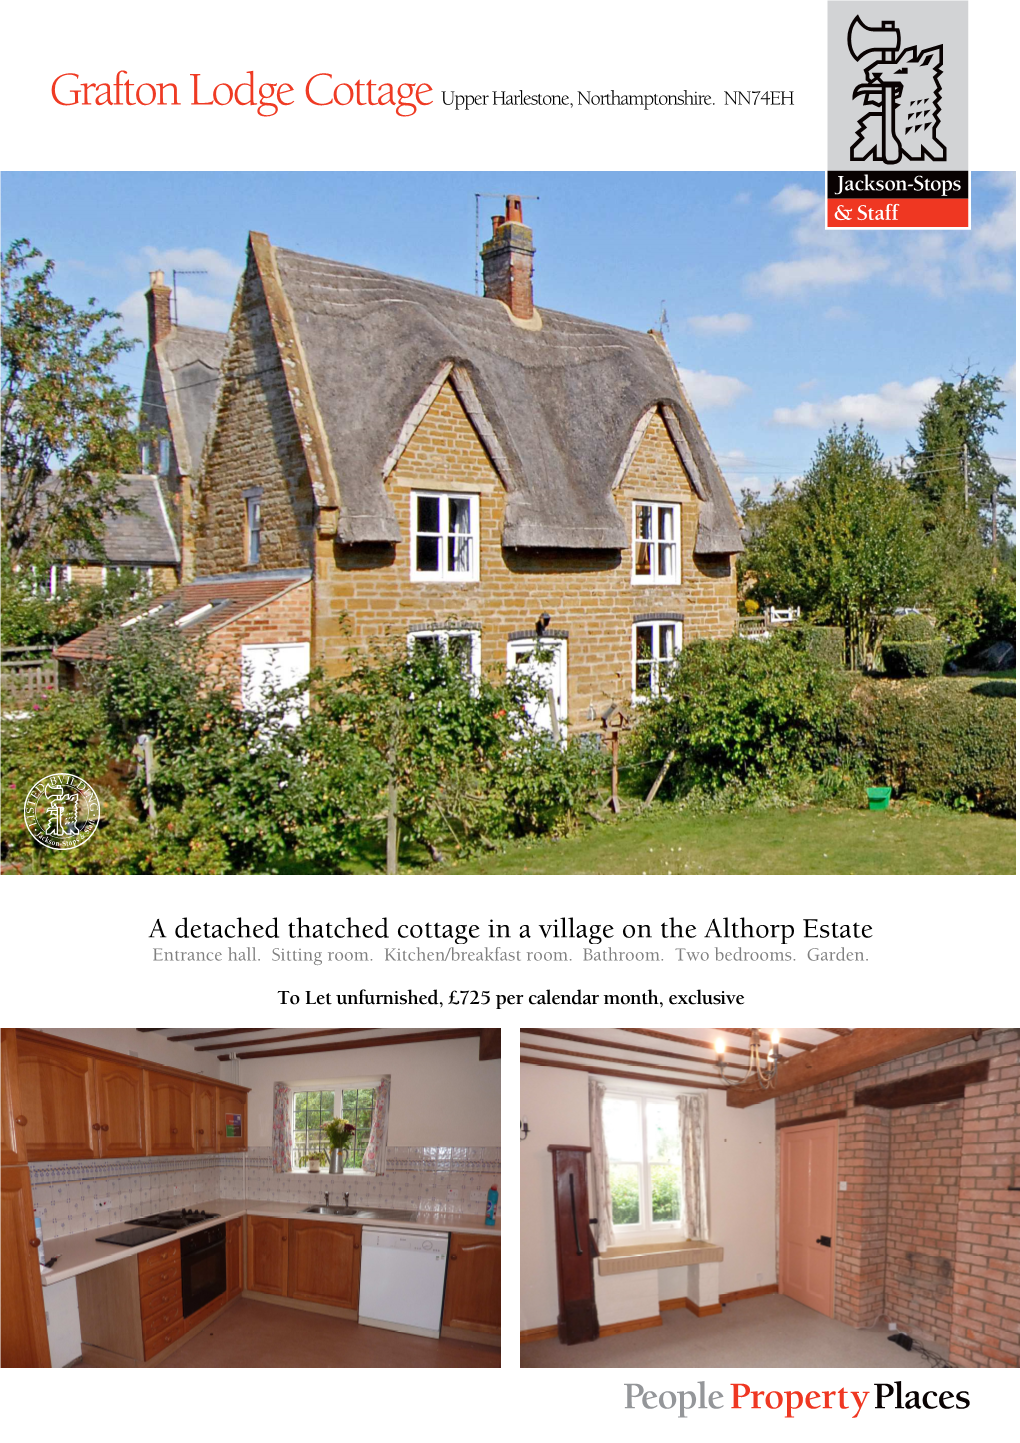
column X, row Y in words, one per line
column 864, row 1047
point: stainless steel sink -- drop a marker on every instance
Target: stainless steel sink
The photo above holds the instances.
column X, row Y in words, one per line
column 334, row 1212
column 388, row 1215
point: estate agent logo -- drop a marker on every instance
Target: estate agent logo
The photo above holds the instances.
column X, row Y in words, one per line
column 62, row 811
column 901, row 95
column 898, row 114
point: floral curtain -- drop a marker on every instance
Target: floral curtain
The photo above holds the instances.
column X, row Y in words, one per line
column 374, row 1159
column 693, row 1192
column 281, row 1128
column 601, row 1185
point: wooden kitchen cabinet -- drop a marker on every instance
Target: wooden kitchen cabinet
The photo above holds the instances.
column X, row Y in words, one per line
column 120, row 1108
column 231, row 1106
column 235, row 1257
column 14, row 1120
column 267, row 1255
column 170, row 1105
column 206, row 1112
column 58, row 1102
column 472, row 1302
column 23, row 1340
column 325, row 1263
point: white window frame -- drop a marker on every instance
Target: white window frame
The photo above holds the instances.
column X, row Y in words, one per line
column 444, row 573
column 252, row 527
column 557, row 647
column 657, row 577
column 645, row 1226
column 443, row 634
column 358, row 1084
column 657, row 669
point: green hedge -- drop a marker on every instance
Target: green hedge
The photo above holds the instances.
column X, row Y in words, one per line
column 825, row 643
column 912, row 647
column 937, row 740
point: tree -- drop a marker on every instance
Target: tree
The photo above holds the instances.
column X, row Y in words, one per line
column 846, row 543
column 67, row 431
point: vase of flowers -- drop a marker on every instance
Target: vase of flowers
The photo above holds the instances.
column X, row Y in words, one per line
column 339, row 1136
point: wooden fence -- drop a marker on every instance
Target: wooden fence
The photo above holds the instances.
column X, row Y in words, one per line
column 27, row 674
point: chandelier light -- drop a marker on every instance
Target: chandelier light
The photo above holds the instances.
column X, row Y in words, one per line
column 763, row 1067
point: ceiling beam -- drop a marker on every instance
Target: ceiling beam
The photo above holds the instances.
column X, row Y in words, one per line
column 216, row 1032
column 605, row 1072
column 389, row 1040
column 766, row 1036
column 836, row 1031
column 839, row 1057
column 687, row 1041
column 284, row 1037
column 622, row 1046
column 490, row 1045
column 944, row 1085
column 704, row 1070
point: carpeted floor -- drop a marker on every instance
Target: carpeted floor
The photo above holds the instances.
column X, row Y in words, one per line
column 259, row 1335
column 769, row 1332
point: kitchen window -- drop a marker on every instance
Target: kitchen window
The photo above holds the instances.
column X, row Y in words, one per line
column 314, row 1107
column 656, row 533
column 444, row 529
column 643, row 1151
column 657, row 644
column 465, row 645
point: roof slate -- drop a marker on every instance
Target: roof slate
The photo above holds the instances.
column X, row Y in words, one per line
column 230, row 597
column 560, row 402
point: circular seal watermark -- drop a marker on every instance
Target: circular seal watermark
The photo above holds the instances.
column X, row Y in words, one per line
column 62, row 811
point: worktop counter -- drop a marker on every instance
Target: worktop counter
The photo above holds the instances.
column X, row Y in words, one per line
column 81, row 1252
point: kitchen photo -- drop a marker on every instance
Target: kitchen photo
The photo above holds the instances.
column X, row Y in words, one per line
column 251, row 1198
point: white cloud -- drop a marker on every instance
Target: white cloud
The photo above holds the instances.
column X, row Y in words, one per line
column 893, row 407
column 208, row 312
column 1008, row 387
column 742, row 197
column 708, row 391
column 733, row 323
column 793, row 199
column 807, row 385
column 792, row 278
column 222, row 272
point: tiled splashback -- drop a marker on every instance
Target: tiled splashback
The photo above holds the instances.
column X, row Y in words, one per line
column 437, row 1180
column 67, row 1193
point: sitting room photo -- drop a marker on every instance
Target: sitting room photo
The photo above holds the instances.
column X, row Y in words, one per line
column 180, row 1197
column 788, row 1197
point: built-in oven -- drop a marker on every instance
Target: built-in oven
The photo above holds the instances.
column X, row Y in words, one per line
column 203, row 1268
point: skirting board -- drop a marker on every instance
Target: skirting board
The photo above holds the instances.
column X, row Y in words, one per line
column 539, row 1335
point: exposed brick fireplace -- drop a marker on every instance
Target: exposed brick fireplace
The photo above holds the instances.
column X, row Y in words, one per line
column 927, row 1231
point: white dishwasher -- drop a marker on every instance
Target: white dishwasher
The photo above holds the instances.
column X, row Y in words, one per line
column 402, row 1280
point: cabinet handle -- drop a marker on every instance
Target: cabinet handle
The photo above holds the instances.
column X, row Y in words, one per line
column 453, row 1257
column 201, row 1132
column 106, row 1127
column 95, row 1127
column 21, row 1121
column 174, row 1131
column 34, row 1243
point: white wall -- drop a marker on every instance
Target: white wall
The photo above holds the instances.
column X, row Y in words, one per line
column 741, row 1196
column 146, row 1046
column 441, row 1095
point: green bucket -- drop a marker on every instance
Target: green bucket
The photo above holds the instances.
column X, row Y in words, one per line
column 878, row 798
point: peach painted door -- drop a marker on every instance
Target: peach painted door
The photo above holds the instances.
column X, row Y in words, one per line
column 807, row 1214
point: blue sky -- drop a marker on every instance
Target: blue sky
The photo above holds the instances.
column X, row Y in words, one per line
column 779, row 328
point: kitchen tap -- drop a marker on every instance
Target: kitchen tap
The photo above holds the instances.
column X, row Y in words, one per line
column 347, row 1199
column 326, row 1196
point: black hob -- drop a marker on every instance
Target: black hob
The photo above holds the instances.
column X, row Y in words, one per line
column 137, row 1237
column 175, row 1221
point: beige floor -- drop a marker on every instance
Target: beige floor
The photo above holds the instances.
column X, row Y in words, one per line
column 769, row 1332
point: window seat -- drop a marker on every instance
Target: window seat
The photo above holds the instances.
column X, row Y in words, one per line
column 644, row 1257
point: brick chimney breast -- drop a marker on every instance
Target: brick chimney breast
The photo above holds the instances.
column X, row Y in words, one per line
column 157, row 299
column 507, row 261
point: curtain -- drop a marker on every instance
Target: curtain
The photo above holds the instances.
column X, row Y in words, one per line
column 693, row 1192
column 281, row 1127
column 374, row 1159
column 601, row 1187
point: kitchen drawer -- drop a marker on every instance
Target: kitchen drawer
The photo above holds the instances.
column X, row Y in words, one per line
column 164, row 1298
column 162, row 1320
column 156, row 1282
column 159, row 1257
column 165, row 1337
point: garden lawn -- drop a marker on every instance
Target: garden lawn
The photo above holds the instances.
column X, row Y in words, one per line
column 664, row 841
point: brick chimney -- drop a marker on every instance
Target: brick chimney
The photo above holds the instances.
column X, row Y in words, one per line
column 507, row 261
column 157, row 298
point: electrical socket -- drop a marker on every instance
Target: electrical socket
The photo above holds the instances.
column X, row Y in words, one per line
column 99, row 1203
column 759, row 1277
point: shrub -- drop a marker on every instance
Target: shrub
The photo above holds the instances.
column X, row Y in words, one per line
column 741, row 711
column 937, row 740
column 826, row 643
column 911, row 647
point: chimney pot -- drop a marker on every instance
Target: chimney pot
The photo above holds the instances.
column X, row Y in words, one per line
column 157, row 299
column 507, row 261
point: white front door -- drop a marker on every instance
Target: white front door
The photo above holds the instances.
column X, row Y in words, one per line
column 274, row 666
column 549, row 669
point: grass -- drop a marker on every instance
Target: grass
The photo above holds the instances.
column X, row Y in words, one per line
column 905, row 840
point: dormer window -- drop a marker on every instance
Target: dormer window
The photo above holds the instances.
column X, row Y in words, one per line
column 252, row 526
column 444, row 531
column 656, row 534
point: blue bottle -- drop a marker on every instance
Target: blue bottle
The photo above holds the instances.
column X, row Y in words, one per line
column 490, row 1208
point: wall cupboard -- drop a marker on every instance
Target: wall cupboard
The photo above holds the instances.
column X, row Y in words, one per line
column 78, row 1103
